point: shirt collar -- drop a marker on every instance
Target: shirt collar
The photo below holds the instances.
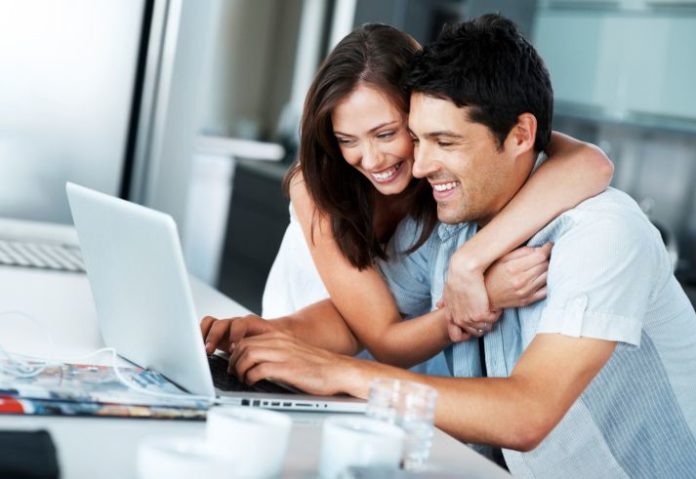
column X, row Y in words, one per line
column 446, row 231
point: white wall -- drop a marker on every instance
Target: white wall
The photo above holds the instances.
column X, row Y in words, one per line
column 251, row 69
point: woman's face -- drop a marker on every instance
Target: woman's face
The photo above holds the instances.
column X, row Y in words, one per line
column 373, row 137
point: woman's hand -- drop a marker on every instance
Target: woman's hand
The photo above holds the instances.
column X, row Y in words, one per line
column 519, row 278
column 474, row 302
column 465, row 300
column 224, row 334
column 278, row 356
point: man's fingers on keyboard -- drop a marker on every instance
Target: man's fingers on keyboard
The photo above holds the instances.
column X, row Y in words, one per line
column 238, row 329
column 206, row 323
column 217, row 336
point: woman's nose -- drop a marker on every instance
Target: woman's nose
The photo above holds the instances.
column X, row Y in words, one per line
column 372, row 158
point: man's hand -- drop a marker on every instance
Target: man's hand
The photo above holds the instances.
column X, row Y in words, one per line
column 224, row 334
column 278, row 356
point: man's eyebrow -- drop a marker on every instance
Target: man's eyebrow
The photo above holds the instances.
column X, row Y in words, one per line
column 372, row 130
column 448, row 134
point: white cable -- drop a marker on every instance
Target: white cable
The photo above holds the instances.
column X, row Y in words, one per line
column 138, row 388
column 19, row 368
column 24, row 369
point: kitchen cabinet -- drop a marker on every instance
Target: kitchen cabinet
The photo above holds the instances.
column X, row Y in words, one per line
column 258, row 217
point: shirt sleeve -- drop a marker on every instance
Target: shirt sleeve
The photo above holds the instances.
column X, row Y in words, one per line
column 407, row 274
column 601, row 276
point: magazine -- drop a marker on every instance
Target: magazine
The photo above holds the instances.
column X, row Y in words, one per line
column 94, row 390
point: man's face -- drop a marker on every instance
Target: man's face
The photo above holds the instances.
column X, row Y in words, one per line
column 460, row 159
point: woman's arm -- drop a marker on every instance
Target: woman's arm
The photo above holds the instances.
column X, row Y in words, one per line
column 574, row 172
column 361, row 298
column 362, row 311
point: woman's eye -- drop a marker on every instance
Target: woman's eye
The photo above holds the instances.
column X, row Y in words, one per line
column 344, row 141
column 385, row 135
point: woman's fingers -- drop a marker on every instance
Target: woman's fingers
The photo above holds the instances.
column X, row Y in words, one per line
column 517, row 253
column 476, row 332
column 538, row 282
column 455, row 333
column 466, row 302
column 532, row 258
column 538, row 295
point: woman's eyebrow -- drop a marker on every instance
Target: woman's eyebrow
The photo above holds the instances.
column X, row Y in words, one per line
column 382, row 125
column 372, row 130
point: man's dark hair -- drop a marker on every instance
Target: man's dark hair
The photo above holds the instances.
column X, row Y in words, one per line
column 487, row 65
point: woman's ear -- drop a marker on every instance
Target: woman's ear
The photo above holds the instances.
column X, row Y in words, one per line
column 522, row 135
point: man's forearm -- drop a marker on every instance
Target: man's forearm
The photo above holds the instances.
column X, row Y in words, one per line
column 515, row 412
column 321, row 325
column 497, row 411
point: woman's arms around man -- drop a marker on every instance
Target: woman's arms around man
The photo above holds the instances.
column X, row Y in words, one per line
column 362, row 312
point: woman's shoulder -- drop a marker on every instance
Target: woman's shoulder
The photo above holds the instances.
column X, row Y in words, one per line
column 300, row 198
column 297, row 187
column 302, row 205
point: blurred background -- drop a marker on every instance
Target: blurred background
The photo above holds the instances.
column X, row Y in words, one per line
column 192, row 107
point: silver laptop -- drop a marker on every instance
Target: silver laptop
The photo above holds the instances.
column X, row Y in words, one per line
column 144, row 306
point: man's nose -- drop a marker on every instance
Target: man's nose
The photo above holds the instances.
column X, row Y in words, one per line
column 422, row 166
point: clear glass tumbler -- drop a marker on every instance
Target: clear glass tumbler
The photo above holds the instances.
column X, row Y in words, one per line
column 411, row 406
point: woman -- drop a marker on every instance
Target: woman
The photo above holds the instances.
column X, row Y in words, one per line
column 353, row 186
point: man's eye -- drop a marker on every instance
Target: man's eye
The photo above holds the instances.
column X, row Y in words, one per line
column 443, row 143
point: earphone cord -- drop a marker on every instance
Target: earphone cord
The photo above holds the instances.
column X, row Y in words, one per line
column 23, row 368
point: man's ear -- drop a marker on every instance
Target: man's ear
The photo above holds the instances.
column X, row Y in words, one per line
column 522, row 135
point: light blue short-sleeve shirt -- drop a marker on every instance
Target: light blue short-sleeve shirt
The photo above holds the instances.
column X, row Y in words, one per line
column 609, row 278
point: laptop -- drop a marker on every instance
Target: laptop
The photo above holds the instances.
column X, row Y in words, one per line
column 145, row 309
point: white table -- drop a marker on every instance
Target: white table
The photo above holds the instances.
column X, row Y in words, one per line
column 106, row 448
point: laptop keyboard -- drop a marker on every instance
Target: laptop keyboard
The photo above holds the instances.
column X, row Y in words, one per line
column 230, row 383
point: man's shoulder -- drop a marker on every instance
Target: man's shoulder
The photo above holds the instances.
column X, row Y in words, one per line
column 609, row 213
column 610, row 200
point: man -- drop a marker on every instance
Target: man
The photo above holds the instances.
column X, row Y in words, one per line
column 597, row 380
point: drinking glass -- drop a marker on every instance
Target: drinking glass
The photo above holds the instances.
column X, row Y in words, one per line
column 411, row 406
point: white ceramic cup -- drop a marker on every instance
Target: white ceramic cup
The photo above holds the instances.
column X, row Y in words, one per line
column 181, row 458
column 256, row 440
column 358, row 441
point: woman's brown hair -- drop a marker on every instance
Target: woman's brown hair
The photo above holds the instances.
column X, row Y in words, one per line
column 377, row 55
